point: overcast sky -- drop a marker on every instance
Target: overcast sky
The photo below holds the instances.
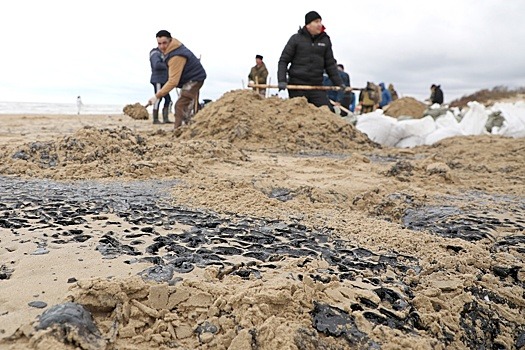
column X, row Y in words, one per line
column 54, row 50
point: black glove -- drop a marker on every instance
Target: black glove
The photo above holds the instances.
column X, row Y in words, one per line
column 282, row 85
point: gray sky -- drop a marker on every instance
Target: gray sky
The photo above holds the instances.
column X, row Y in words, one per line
column 54, row 50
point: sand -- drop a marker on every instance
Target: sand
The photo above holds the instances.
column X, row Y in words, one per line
column 265, row 224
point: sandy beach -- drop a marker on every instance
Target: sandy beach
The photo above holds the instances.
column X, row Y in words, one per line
column 264, row 224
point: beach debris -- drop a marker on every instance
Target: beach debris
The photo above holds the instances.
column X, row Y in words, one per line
column 37, row 304
column 72, row 323
column 250, row 248
column 5, row 272
column 333, row 321
column 136, row 111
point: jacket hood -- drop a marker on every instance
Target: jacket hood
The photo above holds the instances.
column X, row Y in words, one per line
column 175, row 44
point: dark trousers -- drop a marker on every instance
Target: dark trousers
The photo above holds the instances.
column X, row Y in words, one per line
column 167, row 98
column 316, row 97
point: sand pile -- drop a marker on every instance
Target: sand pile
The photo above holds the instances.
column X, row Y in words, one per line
column 406, row 107
column 249, row 121
column 93, row 153
column 136, row 111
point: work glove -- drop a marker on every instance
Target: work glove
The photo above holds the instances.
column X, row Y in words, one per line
column 282, row 85
column 152, row 101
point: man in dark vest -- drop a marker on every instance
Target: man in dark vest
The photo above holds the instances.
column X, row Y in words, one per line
column 185, row 71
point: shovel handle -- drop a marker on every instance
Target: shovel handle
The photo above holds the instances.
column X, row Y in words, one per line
column 301, row 87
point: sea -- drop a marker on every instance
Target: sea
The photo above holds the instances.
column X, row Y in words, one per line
column 57, row 108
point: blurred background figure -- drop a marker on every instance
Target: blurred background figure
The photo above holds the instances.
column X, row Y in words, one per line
column 436, row 94
column 79, row 104
column 159, row 77
column 386, row 97
column 369, row 98
column 393, row 92
column 259, row 74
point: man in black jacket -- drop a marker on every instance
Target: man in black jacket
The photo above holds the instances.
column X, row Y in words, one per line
column 309, row 53
column 436, row 94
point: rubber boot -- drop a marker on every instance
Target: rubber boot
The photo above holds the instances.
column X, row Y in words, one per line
column 156, row 116
column 165, row 112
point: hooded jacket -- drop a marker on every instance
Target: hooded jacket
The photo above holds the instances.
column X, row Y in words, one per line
column 309, row 56
column 183, row 67
column 159, row 69
column 386, row 97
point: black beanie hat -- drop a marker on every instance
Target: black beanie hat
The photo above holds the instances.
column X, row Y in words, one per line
column 259, row 56
column 311, row 16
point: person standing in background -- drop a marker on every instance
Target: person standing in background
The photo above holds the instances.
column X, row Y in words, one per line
column 386, row 97
column 436, row 94
column 159, row 77
column 259, row 74
column 309, row 54
column 79, row 104
column 185, row 71
column 393, row 92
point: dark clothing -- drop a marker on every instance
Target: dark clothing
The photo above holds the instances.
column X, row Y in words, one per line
column 159, row 75
column 193, row 70
column 437, row 95
column 344, row 98
column 316, row 97
column 308, row 58
column 159, row 68
column 386, row 97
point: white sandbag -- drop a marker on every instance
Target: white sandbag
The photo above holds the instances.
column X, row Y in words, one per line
column 379, row 128
column 473, row 123
column 441, row 134
column 514, row 114
column 411, row 141
column 447, row 121
column 417, row 127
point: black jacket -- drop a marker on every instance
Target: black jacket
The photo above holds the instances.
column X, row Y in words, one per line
column 308, row 57
column 437, row 95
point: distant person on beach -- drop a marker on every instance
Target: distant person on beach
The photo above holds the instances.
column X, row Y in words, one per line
column 369, row 98
column 341, row 98
column 159, row 77
column 436, row 94
column 393, row 92
column 308, row 54
column 185, row 71
column 259, row 74
column 386, row 97
column 79, row 104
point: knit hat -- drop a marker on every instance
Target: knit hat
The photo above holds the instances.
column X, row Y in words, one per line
column 311, row 16
column 259, row 57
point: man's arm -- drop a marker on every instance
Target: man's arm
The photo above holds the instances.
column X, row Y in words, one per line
column 286, row 57
column 175, row 66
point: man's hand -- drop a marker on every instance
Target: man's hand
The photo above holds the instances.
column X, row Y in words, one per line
column 152, row 101
column 282, row 85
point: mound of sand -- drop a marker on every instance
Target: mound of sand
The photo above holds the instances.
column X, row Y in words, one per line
column 92, row 153
column 136, row 111
column 406, row 107
column 249, row 121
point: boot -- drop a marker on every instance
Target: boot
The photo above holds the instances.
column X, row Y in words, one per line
column 165, row 112
column 156, row 116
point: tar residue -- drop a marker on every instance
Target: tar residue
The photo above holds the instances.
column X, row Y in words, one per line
column 244, row 246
